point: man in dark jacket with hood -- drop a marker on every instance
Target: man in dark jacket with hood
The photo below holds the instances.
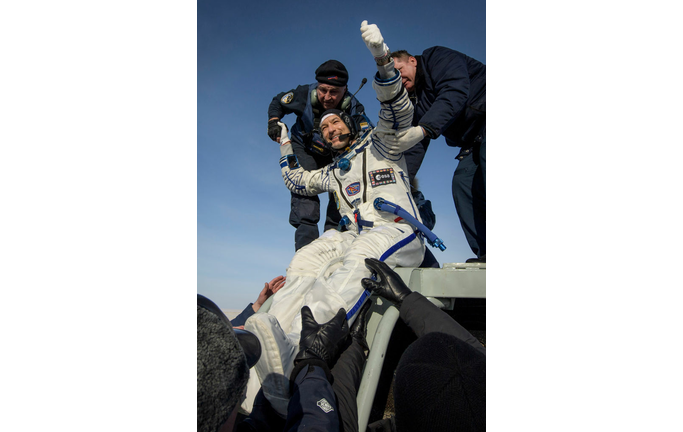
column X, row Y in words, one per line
column 448, row 90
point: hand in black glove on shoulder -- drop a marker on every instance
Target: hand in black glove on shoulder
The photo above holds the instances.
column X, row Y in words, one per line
column 274, row 129
column 320, row 343
column 390, row 285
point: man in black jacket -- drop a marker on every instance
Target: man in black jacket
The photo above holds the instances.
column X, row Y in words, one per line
column 448, row 90
column 440, row 382
column 308, row 102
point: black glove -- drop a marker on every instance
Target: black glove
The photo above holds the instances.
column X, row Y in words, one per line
column 390, row 285
column 273, row 129
column 320, row 343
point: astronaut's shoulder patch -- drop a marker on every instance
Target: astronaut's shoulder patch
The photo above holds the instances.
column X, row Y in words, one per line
column 353, row 189
column 287, row 98
column 382, row 177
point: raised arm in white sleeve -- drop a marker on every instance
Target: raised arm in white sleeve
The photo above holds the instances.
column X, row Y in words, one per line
column 297, row 179
column 395, row 117
column 394, row 129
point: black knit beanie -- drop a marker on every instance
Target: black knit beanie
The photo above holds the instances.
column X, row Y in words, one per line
column 333, row 73
column 222, row 370
column 440, row 386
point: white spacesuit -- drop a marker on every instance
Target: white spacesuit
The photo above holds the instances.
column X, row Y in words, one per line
column 325, row 275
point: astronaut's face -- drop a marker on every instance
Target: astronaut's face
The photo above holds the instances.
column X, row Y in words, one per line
column 330, row 96
column 331, row 128
column 408, row 68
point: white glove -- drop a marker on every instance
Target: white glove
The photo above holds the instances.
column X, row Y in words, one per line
column 403, row 139
column 284, row 138
column 373, row 39
column 383, row 130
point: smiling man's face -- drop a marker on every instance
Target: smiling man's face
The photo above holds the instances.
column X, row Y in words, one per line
column 331, row 128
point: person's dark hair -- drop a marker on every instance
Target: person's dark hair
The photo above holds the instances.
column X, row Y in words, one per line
column 440, row 385
column 222, row 371
column 401, row 54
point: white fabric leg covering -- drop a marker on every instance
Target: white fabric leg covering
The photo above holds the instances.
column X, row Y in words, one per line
column 253, row 386
column 286, row 306
column 307, row 266
column 277, row 359
column 342, row 289
column 277, row 350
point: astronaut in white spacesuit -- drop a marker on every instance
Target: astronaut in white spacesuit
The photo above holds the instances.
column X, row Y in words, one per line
column 326, row 274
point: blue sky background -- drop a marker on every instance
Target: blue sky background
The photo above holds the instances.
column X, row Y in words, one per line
column 248, row 54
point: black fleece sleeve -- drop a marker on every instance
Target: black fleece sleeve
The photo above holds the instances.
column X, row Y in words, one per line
column 423, row 317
